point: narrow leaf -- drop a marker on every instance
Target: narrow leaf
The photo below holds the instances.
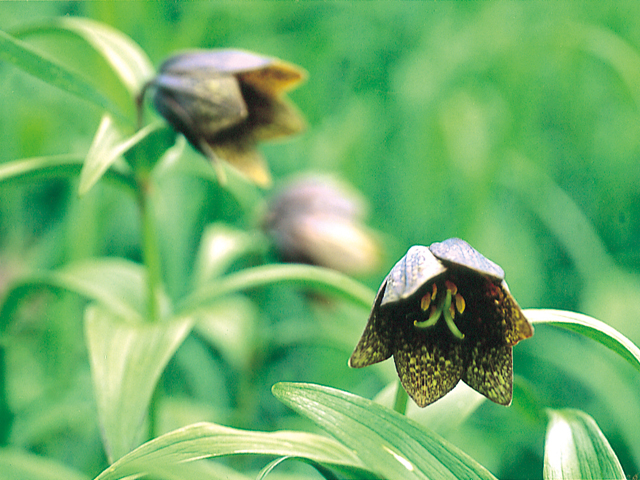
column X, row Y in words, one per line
column 390, row 444
column 589, row 327
column 37, row 64
column 19, row 465
column 106, row 148
column 127, row 358
column 128, row 60
column 115, row 283
column 56, row 166
column 575, row 448
column 206, row 440
column 319, row 279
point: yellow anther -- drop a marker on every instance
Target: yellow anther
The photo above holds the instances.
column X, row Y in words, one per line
column 425, row 302
column 434, row 292
column 451, row 287
column 460, row 303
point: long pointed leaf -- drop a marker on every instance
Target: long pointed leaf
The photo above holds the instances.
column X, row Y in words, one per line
column 127, row 358
column 390, row 444
column 589, row 327
column 207, row 440
column 575, row 448
column 125, row 56
column 37, row 64
column 53, row 167
column 107, row 146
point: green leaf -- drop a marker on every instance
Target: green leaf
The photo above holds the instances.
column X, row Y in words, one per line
column 107, row 147
column 207, row 440
column 575, row 448
column 589, row 327
column 127, row 357
column 18, row 465
column 37, row 64
column 390, row 444
column 318, row 279
column 115, row 283
column 128, row 60
column 29, row 169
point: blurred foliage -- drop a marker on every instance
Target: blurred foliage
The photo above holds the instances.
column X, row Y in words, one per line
column 513, row 125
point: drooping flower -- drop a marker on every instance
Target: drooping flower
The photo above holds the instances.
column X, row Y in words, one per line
column 226, row 101
column 319, row 221
column 445, row 314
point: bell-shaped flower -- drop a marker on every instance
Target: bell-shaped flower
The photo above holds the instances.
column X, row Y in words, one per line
column 225, row 102
column 319, row 221
column 445, row 314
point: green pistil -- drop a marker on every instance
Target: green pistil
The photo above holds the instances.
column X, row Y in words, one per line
column 444, row 308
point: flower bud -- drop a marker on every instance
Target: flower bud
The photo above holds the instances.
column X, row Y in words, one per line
column 318, row 221
column 225, row 102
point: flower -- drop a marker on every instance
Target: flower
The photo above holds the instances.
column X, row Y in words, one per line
column 225, row 102
column 318, row 220
column 445, row 314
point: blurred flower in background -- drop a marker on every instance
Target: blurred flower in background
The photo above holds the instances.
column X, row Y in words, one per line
column 319, row 221
column 226, row 101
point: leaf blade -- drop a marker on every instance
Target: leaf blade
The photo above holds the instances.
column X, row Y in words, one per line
column 575, row 447
column 392, row 445
column 127, row 359
column 40, row 66
column 207, row 440
column 589, row 327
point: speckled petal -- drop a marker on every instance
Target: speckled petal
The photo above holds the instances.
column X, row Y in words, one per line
column 428, row 367
column 490, row 371
column 411, row 272
column 375, row 345
column 517, row 327
column 459, row 252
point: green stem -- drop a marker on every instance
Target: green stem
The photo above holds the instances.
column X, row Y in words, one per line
column 150, row 252
column 400, row 402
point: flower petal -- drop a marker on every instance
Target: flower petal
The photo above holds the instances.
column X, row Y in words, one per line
column 517, row 326
column 429, row 362
column 459, row 252
column 375, row 345
column 490, row 371
column 413, row 270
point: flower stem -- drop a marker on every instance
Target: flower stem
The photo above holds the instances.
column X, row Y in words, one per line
column 150, row 252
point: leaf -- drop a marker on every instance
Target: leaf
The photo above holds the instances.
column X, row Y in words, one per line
column 28, row 169
column 207, row 440
column 19, row 465
column 575, row 448
column 589, row 327
column 390, row 444
column 37, row 64
column 128, row 60
column 318, row 279
column 106, row 148
column 115, row 283
column 127, row 357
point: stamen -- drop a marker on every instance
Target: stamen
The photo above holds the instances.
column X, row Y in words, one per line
column 425, row 302
column 460, row 303
column 434, row 316
column 434, row 292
